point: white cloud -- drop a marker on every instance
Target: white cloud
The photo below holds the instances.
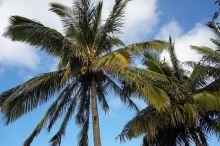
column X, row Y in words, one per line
column 20, row 54
column 141, row 16
column 200, row 36
column 17, row 54
column 171, row 29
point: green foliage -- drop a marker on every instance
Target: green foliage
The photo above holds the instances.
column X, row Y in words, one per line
column 85, row 54
column 193, row 105
column 30, row 94
column 36, row 34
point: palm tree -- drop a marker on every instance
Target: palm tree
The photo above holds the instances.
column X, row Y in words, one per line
column 193, row 112
column 87, row 67
column 210, row 59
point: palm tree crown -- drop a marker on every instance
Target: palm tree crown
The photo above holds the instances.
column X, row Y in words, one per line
column 87, row 70
column 193, row 112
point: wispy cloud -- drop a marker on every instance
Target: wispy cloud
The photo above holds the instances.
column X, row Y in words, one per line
column 170, row 29
column 200, row 35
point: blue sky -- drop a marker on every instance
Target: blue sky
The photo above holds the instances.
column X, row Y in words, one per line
column 146, row 20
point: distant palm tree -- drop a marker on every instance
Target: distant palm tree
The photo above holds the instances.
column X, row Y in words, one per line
column 87, row 69
column 193, row 112
column 210, row 62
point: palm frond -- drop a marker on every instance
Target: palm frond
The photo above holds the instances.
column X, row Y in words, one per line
column 207, row 101
column 140, row 48
column 152, row 62
column 7, row 94
column 101, row 94
column 191, row 114
column 84, row 100
column 175, row 62
column 209, row 54
column 43, row 122
column 199, row 77
column 145, row 122
column 62, row 10
column 112, row 25
column 31, row 94
column 114, row 21
column 211, row 87
column 116, row 59
column 119, row 91
column 144, row 87
column 83, row 133
column 36, row 34
column 65, row 97
column 56, row 139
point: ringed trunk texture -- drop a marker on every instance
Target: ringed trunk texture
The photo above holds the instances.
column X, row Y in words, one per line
column 95, row 116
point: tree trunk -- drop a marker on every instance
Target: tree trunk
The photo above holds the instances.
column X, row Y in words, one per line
column 95, row 116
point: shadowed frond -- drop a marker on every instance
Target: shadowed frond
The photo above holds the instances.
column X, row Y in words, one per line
column 42, row 123
column 175, row 62
column 62, row 10
column 31, row 94
column 84, row 101
column 119, row 91
column 152, row 62
column 145, row 121
column 65, row 97
column 101, row 93
column 144, row 87
column 209, row 54
column 83, row 133
column 36, row 34
column 56, row 139
column 212, row 87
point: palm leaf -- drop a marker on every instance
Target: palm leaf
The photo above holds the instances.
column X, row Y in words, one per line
column 140, row 48
column 31, row 94
column 144, row 87
column 116, row 59
column 43, row 122
column 207, row 101
column 112, row 25
column 36, row 34
column 56, row 139
column 65, row 97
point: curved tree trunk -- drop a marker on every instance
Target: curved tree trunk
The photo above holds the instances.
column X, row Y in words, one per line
column 95, row 116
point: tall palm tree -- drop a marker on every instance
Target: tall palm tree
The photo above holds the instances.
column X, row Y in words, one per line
column 193, row 112
column 87, row 68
